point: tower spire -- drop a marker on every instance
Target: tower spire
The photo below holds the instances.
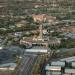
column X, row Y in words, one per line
column 40, row 37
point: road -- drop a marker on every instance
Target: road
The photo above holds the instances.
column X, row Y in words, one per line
column 26, row 65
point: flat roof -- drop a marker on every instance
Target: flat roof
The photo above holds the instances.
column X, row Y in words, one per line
column 55, row 73
column 70, row 70
column 69, row 59
column 37, row 49
column 53, row 68
column 73, row 64
column 12, row 65
column 66, row 74
column 58, row 63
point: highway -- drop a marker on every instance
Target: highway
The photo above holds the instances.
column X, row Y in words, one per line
column 26, row 65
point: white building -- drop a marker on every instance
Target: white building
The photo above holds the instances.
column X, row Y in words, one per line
column 8, row 66
column 58, row 63
column 70, row 71
column 53, row 73
column 66, row 74
column 69, row 59
column 53, row 68
column 37, row 50
column 60, row 67
column 1, row 47
column 73, row 64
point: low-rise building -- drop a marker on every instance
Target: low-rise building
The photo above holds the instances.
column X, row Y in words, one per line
column 70, row 35
column 21, row 23
column 53, row 70
column 66, row 74
column 37, row 50
column 73, row 64
column 64, row 66
column 58, row 63
column 69, row 71
column 8, row 66
column 69, row 59
column 54, row 41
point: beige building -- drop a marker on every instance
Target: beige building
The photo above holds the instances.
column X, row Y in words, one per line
column 43, row 18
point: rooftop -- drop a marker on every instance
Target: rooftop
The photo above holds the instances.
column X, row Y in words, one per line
column 37, row 49
column 53, row 68
column 58, row 63
column 12, row 65
column 69, row 59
